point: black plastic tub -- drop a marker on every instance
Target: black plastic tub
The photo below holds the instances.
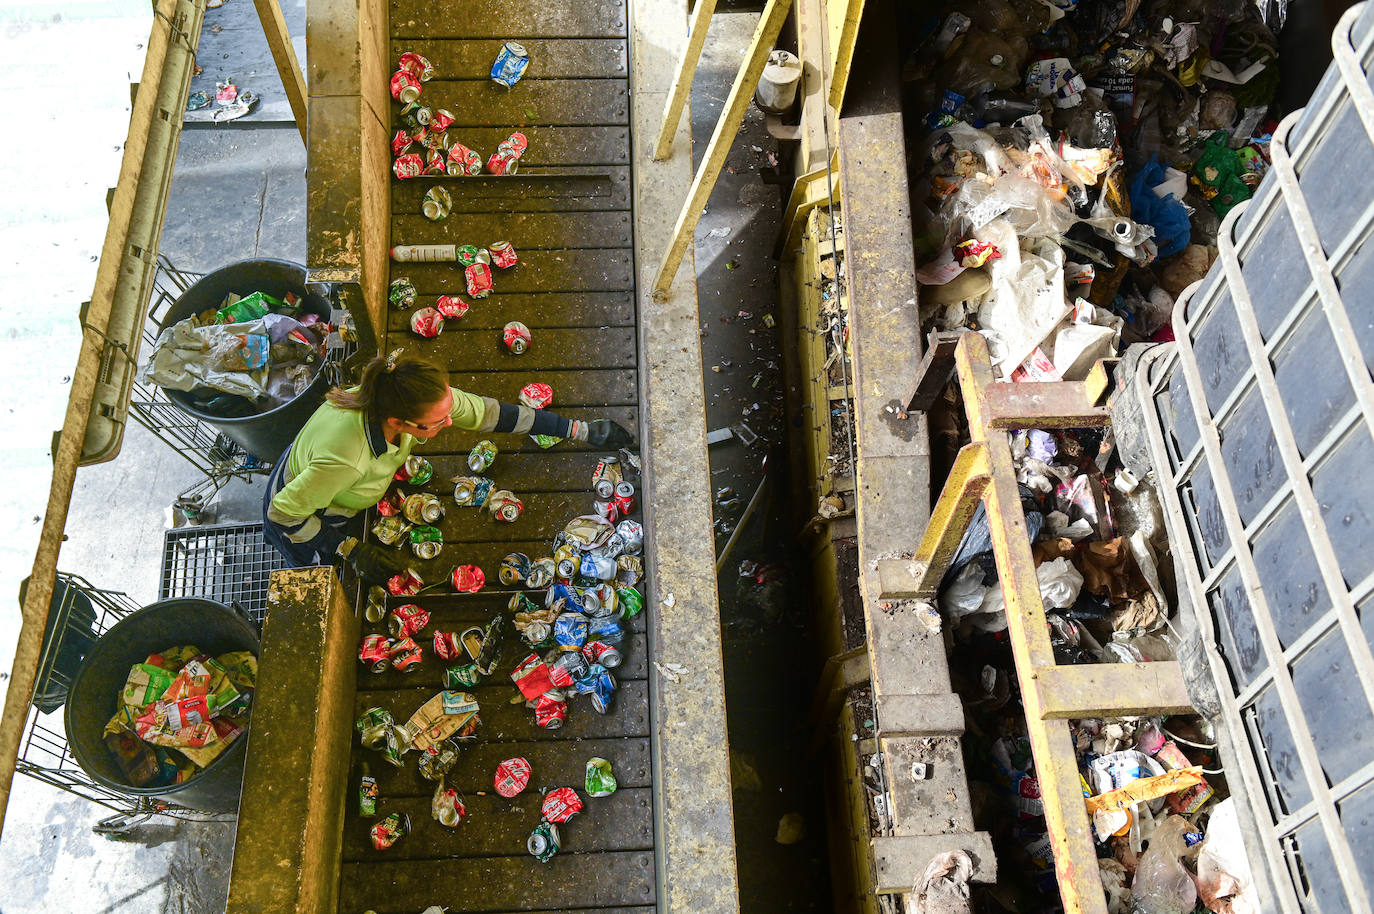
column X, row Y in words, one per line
column 95, row 694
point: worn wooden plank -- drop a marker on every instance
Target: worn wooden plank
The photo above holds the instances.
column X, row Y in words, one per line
column 546, row 102
column 538, row 311
column 612, row 387
column 501, row 720
column 575, row 187
column 458, row 442
column 546, row 513
column 504, row 19
column 551, row 762
column 486, row 556
column 498, row 884
column 552, row 147
column 588, row 270
column 550, row 58
column 526, row 231
column 496, row 826
column 555, row 470
column 431, row 671
column 550, row 350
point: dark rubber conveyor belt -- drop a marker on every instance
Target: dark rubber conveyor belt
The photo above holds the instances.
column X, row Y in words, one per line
column 568, row 216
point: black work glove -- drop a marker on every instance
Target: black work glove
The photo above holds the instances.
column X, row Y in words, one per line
column 608, row 434
column 373, row 564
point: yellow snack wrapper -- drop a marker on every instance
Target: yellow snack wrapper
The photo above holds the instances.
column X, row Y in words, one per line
column 1145, row 789
column 430, row 724
column 145, row 684
column 242, row 668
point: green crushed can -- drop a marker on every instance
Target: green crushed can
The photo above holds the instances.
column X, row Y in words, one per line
column 462, row 676
column 600, row 779
column 482, row 456
column 630, row 601
column 543, row 842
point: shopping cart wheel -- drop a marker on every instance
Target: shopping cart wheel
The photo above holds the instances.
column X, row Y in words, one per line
column 117, row 827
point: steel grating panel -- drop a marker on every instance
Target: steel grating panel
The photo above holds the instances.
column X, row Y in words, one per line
column 227, row 563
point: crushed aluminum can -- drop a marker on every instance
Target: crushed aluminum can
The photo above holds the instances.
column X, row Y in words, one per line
column 602, row 690
column 600, row 780
column 482, row 456
column 598, row 568
column 503, row 255
column 395, row 745
column 437, row 204
column 406, row 655
column 512, row 776
column 606, row 629
column 515, row 144
column 376, row 604
column 405, row 584
column 446, row 806
column 462, row 676
column 376, row 652
column 441, row 120
column 568, row 594
column 434, row 162
column 415, row 115
column 606, row 600
column 531, row 677
column 606, row 510
column 630, row 569
column 549, row 713
column 505, row 507
column 416, row 471
column 624, row 498
column 401, row 293
column 427, row 323
column 613, row 548
column 390, row 830
column 588, row 531
column 560, row 805
column 462, row 161
column 567, row 667
column 591, row 604
column 447, row 645
column 426, row 542
column 543, row 842
column 567, row 570
column 521, row 603
column 605, row 476
column 423, row 508
column 478, row 278
column 541, row 574
column 602, row 653
column 492, row 638
column 432, row 139
column 517, row 337
column 536, row 395
column 410, row 165
column 468, row 579
column 468, row 254
column 372, row 727
column 405, row 87
column 390, row 504
column 515, row 567
column 406, row 620
column 537, row 634
column 450, row 306
column 438, row 760
column 367, row 796
column 400, row 143
column 510, row 64
column 632, row 532
column 389, row 531
column 630, row 600
column 417, row 66
column 503, row 163
column 471, row 491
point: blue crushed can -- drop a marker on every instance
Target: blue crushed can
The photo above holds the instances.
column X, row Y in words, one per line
column 510, row 64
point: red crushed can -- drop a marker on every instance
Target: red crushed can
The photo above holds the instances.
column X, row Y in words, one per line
column 549, row 713
column 409, row 165
column 478, row 276
column 531, row 677
column 451, row 307
column 512, row 776
column 504, row 506
column 390, row 830
column 427, row 322
column 463, row 162
column 517, row 337
column 516, row 144
column 405, row 584
column 502, row 254
column 442, row 119
column 417, row 471
column 607, row 509
column 400, row 143
column 503, row 163
column 405, row 655
column 405, row 87
column 390, row 505
column 561, row 804
column 434, row 162
column 448, row 647
column 624, row 498
column 602, row 653
column 376, row 651
column 406, row 620
column 605, row 476
column 536, row 396
column 417, row 66
column 468, row 579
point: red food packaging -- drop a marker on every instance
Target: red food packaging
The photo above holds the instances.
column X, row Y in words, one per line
column 512, row 776
column 549, row 713
column 478, row 276
column 531, row 677
column 561, row 804
column 468, row 579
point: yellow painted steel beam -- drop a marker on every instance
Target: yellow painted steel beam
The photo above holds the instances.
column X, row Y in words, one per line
column 959, row 498
column 1113, row 690
column 808, row 192
column 1048, row 404
column 284, row 56
column 844, row 35
column 741, row 91
column 682, row 83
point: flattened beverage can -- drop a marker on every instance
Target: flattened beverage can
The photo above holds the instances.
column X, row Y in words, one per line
column 567, row 668
column 462, row 161
column 376, row 651
column 437, row 204
column 600, row 779
column 630, row 600
column 406, row 620
column 423, row 508
column 401, row 293
column 503, row 254
column 450, row 307
column 549, row 713
column 468, row 579
column 606, row 509
column 602, row 691
column 405, row 656
column 505, row 507
column 390, row 529
column 442, row 119
column 405, row 584
column 536, row 395
column 543, row 842
column 410, row 165
column 405, row 86
column 515, row 567
column 462, row 676
column 427, row 323
column 541, row 574
column 390, row 830
column 630, row 569
column 624, row 498
column 471, row 491
column 434, row 162
column 482, row 456
column 416, row 471
column 503, row 163
column 446, row 646
column 602, row 653
column 605, row 476
column 468, row 254
column 515, row 144
column 560, row 805
column 567, row 570
column 510, row 64
column 426, row 542
column 570, row 631
column 632, row 532
column 478, row 278
column 517, row 337
column 417, row 66
column 512, row 776
column 400, row 143
column 372, row 727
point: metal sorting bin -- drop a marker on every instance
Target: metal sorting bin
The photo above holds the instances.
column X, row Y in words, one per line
column 265, row 435
column 1261, row 419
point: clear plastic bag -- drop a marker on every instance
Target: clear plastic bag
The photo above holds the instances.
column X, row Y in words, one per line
column 1162, row 883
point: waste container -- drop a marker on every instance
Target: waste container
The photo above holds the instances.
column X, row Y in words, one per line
column 267, row 434
column 95, row 694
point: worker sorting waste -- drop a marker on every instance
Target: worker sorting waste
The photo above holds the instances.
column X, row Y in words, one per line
column 349, row 451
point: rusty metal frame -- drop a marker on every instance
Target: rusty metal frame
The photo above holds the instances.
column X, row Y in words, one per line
column 1051, row 694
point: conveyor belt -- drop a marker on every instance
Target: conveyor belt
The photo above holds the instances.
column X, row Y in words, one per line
column 568, row 216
